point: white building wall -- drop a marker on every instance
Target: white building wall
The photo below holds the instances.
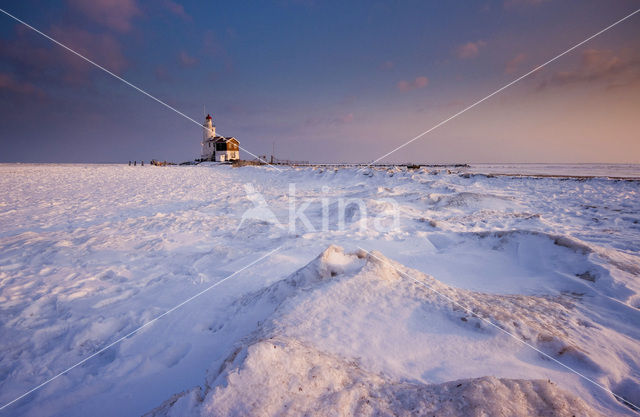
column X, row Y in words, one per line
column 225, row 156
column 208, row 147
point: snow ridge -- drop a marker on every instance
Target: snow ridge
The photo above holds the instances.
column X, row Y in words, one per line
column 300, row 361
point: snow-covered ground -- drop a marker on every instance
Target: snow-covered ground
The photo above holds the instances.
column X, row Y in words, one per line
column 342, row 318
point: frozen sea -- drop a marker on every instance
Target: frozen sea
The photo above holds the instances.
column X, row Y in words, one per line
column 503, row 289
column 560, row 170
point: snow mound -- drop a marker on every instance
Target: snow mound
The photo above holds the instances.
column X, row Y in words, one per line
column 283, row 377
column 469, row 199
column 342, row 335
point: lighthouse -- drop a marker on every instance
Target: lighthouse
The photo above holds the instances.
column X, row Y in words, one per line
column 215, row 147
column 209, row 130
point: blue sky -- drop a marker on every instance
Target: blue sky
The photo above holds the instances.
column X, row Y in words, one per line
column 324, row 81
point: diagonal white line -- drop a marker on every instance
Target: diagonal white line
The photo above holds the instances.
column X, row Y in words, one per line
column 491, row 323
column 504, row 87
column 123, row 80
column 133, row 332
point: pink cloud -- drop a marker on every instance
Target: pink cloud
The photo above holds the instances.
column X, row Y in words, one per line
column 162, row 74
column 470, row 49
column 513, row 64
column 419, row 82
column 347, row 118
column 599, row 66
column 387, row 65
column 404, row 85
column 187, row 60
column 9, row 83
column 114, row 14
column 102, row 48
column 176, row 8
column 601, row 61
column 54, row 63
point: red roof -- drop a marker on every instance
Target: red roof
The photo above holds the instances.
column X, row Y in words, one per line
column 208, row 117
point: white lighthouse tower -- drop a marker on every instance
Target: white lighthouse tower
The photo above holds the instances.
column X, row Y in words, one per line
column 209, row 130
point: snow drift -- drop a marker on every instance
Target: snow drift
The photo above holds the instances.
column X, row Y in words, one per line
column 328, row 329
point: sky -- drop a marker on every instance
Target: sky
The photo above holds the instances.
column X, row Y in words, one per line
column 321, row 81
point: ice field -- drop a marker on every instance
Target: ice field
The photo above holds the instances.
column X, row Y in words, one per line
column 375, row 301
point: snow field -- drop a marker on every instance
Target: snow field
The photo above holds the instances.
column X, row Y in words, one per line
column 90, row 253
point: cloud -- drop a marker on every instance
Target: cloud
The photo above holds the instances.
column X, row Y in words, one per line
column 176, row 8
column 162, row 74
column 346, row 118
column 470, row 49
column 114, row 14
column 598, row 66
column 513, row 64
column 45, row 61
column 419, row 82
column 9, row 83
column 387, row 65
column 187, row 60
column 104, row 49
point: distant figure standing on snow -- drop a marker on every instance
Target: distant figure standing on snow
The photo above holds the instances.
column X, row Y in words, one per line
column 134, row 163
